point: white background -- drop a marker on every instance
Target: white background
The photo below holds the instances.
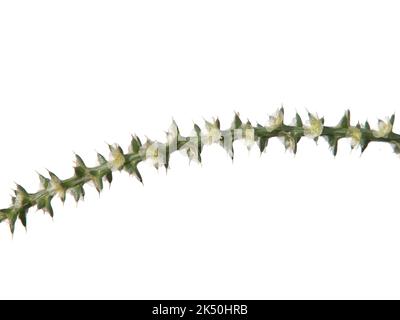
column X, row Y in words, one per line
column 77, row 74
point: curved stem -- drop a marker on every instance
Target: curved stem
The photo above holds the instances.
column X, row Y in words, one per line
column 160, row 153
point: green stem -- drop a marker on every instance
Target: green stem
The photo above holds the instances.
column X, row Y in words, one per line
column 53, row 186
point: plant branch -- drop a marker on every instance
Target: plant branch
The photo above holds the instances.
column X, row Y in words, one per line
column 192, row 146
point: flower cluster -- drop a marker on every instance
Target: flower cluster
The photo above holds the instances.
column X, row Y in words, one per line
column 384, row 128
column 159, row 153
column 275, row 121
column 315, row 126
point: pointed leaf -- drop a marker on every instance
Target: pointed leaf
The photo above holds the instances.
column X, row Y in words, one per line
column 237, row 123
column 391, row 120
column 44, row 204
column 54, row 178
column 22, row 216
column 80, row 166
column 345, row 121
column 44, row 182
column 12, row 222
column 364, row 144
column 79, row 162
column 138, row 175
column 262, row 143
column 101, row 159
column 109, row 176
column 229, row 149
column 167, row 156
column 333, row 143
column 77, row 192
column 299, row 122
column 197, row 129
column 98, row 183
column 135, row 144
column 48, row 207
column 217, row 123
column 295, row 147
column 132, row 169
column 21, row 197
column 12, row 217
column 58, row 186
column 21, row 190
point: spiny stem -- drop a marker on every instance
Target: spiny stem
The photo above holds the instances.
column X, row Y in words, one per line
column 192, row 145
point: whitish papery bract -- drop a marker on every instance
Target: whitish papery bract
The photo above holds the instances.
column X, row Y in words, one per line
column 159, row 153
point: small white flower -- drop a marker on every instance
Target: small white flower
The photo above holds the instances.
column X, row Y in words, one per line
column 289, row 142
column 249, row 137
column 155, row 153
column 247, row 134
column 213, row 133
column 314, row 127
column 384, row 128
column 191, row 147
column 173, row 133
column 355, row 134
column 117, row 157
column 192, row 151
column 275, row 121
